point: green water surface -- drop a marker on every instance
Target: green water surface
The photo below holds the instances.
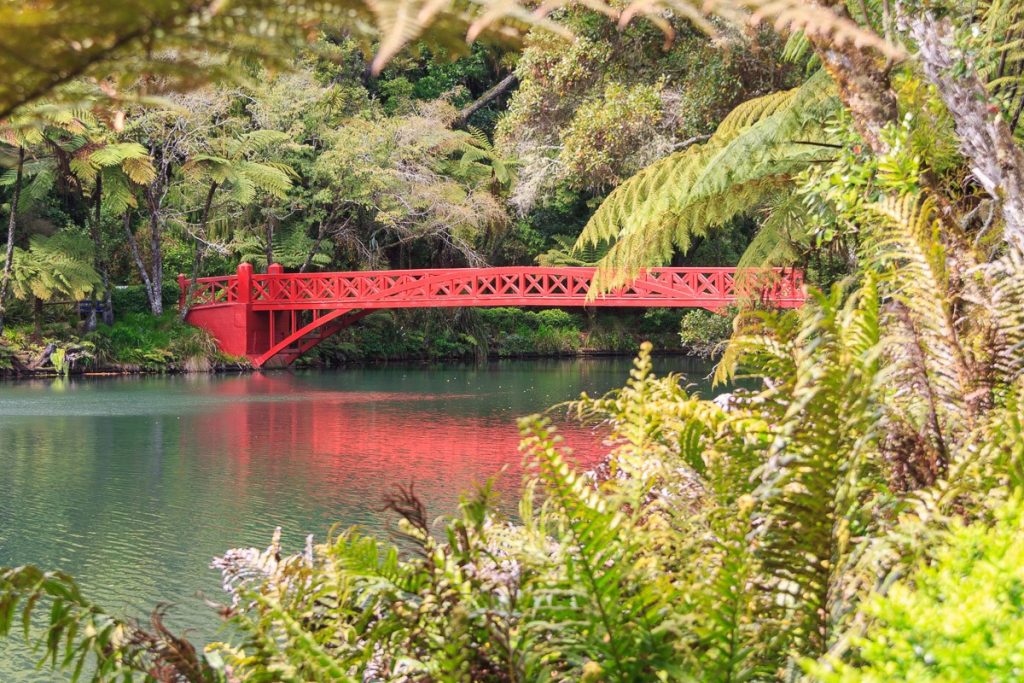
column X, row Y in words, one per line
column 133, row 484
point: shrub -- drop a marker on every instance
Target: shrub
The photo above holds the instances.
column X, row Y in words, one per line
column 656, row 321
column 556, row 340
column 958, row 618
column 141, row 341
column 514, row 345
column 452, row 344
column 133, row 299
column 7, row 355
column 703, row 332
column 556, row 317
column 507, row 319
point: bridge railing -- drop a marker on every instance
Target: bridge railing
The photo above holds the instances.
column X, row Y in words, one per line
column 708, row 287
column 207, row 291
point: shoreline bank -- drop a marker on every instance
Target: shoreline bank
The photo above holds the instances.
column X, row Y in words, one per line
column 11, row 375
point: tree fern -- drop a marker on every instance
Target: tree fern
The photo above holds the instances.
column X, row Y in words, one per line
column 479, row 152
column 290, row 249
column 566, row 253
column 782, row 237
column 240, row 165
column 132, row 157
column 756, row 150
column 57, row 266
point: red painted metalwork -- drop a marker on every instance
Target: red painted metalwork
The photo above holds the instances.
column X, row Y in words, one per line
column 274, row 318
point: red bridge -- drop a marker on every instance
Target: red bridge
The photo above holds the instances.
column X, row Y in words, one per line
column 274, row 318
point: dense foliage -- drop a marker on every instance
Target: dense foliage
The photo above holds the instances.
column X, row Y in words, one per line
column 325, row 167
column 851, row 511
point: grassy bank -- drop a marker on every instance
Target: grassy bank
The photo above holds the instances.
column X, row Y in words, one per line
column 136, row 343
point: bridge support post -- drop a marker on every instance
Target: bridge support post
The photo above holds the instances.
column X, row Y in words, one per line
column 182, row 290
column 243, row 290
column 273, row 286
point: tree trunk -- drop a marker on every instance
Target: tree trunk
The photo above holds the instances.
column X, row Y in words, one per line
column 5, row 280
column 155, row 193
column 268, row 251
column 320, row 234
column 155, row 305
column 197, row 260
column 156, row 252
column 986, row 140
column 503, row 86
column 863, row 79
column 37, row 317
column 98, row 258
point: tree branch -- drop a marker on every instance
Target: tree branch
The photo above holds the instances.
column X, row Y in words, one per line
column 503, row 86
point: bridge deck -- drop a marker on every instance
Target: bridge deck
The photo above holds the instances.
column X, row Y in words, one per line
column 280, row 315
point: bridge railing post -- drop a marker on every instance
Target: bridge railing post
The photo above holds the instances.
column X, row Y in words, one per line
column 244, row 288
column 182, row 290
column 274, row 285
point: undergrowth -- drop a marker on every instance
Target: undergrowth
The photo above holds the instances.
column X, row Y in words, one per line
column 137, row 342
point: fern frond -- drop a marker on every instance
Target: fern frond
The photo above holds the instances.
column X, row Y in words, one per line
column 907, row 249
column 267, row 177
column 600, row 586
column 566, row 253
column 1006, row 304
column 763, row 143
column 816, row 492
column 57, row 266
column 139, row 170
column 780, row 238
column 117, row 192
column 114, row 154
column 78, row 632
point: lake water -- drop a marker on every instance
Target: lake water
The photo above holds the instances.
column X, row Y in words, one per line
column 133, row 484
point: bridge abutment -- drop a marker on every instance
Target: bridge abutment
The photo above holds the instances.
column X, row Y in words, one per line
column 238, row 328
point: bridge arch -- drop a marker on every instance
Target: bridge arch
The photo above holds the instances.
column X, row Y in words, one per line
column 272, row 318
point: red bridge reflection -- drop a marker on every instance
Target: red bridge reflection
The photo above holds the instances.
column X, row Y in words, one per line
column 359, row 444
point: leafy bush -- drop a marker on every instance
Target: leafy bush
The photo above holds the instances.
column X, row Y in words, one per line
column 557, row 318
column 133, row 299
column 703, row 332
column 959, row 617
column 7, row 355
column 556, row 340
column 660, row 321
column 141, row 341
column 381, row 336
column 507, row 319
